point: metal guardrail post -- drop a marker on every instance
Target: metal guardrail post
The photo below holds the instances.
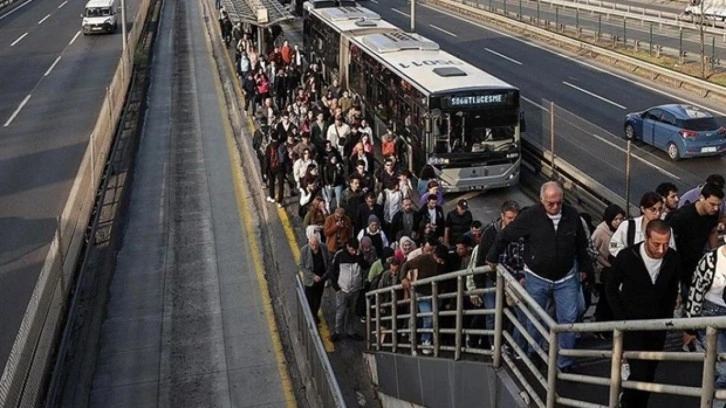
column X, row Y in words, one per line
column 628, row 159
column 552, row 370
column 459, row 315
column 498, row 320
column 435, row 317
column 709, row 367
column 413, row 324
column 615, row 367
column 394, row 320
column 378, row 320
column 368, row 322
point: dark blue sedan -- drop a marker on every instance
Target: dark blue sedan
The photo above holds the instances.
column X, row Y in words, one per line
column 682, row 131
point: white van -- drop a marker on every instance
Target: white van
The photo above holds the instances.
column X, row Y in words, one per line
column 99, row 16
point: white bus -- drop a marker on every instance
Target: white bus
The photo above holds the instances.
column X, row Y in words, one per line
column 326, row 31
column 460, row 120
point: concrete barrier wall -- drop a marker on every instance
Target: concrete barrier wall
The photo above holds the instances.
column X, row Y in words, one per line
column 25, row 376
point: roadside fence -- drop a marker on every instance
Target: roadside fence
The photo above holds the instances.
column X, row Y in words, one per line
column 391, row 325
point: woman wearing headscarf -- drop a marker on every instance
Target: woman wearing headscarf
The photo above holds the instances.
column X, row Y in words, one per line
column 376, row 234
column 612, row 217
column 405, row 246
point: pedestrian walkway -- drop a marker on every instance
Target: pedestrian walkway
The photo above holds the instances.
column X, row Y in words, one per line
column 189, row 321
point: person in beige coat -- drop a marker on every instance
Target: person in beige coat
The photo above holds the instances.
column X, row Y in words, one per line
column 612, row 217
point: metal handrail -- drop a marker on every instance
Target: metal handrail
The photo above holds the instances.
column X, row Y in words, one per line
column 383, row 329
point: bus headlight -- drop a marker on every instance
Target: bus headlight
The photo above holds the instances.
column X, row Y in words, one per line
column 438, row 160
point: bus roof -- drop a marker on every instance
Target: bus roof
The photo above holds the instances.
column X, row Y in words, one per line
column 354, row 20
column 427, row 67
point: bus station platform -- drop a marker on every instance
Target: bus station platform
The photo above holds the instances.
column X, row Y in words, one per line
column 189, row 320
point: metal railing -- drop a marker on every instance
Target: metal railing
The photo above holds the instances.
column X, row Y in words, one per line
column 392, row 318
column 321, row 373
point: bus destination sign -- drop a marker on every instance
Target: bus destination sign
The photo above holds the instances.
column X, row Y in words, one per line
column 478, row 101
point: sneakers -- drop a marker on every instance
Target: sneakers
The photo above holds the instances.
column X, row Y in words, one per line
column 270, row 199
column 363, row 320
column 279, row 205
column 625, row 371
column 426, row 347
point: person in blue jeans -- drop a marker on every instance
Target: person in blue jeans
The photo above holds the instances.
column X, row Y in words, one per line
column 707, row 298
column 422, row 267
column 554, row 242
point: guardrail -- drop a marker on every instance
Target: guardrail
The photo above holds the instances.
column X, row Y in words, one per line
column 26, row 372
column 392, row 325
column 319, row 368
column 625, row 11
column 7, row 3
column 673, row 78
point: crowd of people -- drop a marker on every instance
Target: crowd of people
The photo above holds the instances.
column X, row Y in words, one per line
column 368, row 227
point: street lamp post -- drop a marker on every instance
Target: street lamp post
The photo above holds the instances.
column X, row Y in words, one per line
column 123, row 25
column 413, row 16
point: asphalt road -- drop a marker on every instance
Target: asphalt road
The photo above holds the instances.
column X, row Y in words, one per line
column 590, row 135
column 52, row 81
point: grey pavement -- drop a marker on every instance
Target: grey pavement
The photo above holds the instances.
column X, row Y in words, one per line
column 185, row 324
column 41, row 149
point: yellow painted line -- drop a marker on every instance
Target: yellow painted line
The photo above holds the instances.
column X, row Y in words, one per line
column 244, row 202
column 284, row 218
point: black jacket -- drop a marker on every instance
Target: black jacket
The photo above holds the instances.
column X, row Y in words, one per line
column 548, row 253
column 638, row 297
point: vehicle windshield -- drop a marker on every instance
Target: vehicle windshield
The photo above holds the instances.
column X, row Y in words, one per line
column 98, row 12
column 701, row 124
column 474, row 131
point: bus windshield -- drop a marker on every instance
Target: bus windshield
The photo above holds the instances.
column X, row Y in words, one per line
column 474, row 131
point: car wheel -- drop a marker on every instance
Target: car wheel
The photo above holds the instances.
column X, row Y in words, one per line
column 629, row 132
column 672, row 151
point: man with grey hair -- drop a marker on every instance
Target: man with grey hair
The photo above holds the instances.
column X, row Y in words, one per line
column 555, row 259
column 314, row 260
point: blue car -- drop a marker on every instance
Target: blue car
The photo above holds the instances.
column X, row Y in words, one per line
column 682, row 131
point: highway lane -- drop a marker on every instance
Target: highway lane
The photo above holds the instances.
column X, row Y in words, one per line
column 588, row 91
column 41, row 148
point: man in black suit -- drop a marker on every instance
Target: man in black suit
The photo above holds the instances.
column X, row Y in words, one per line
column 644, row 285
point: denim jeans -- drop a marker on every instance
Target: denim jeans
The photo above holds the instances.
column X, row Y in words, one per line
column 328, row 196
column 565, row 294
column 710, row 309
column 425, row 306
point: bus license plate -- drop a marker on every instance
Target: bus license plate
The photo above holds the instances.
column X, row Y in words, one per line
column 710, row 149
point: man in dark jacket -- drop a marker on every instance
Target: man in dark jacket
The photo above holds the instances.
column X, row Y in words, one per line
column 365, row 210
column 643, row 284
column 433, row 214
column 260, row 140
column 275, row 156
column 555, row 259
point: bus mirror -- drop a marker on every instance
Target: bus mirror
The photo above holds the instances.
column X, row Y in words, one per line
column 522, row 123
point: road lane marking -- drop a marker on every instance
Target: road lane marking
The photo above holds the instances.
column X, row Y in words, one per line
column 14, row 10
column 503, row 56
column 594, row 95
column 375, row 1
column 43, row 19
column 577, row 61
column 18, row 40
column 74, row 37
column 638, row 158
column 63, row 4
column 442, row 30
column 17, row 111
column 401, row 12
column 52, row 66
